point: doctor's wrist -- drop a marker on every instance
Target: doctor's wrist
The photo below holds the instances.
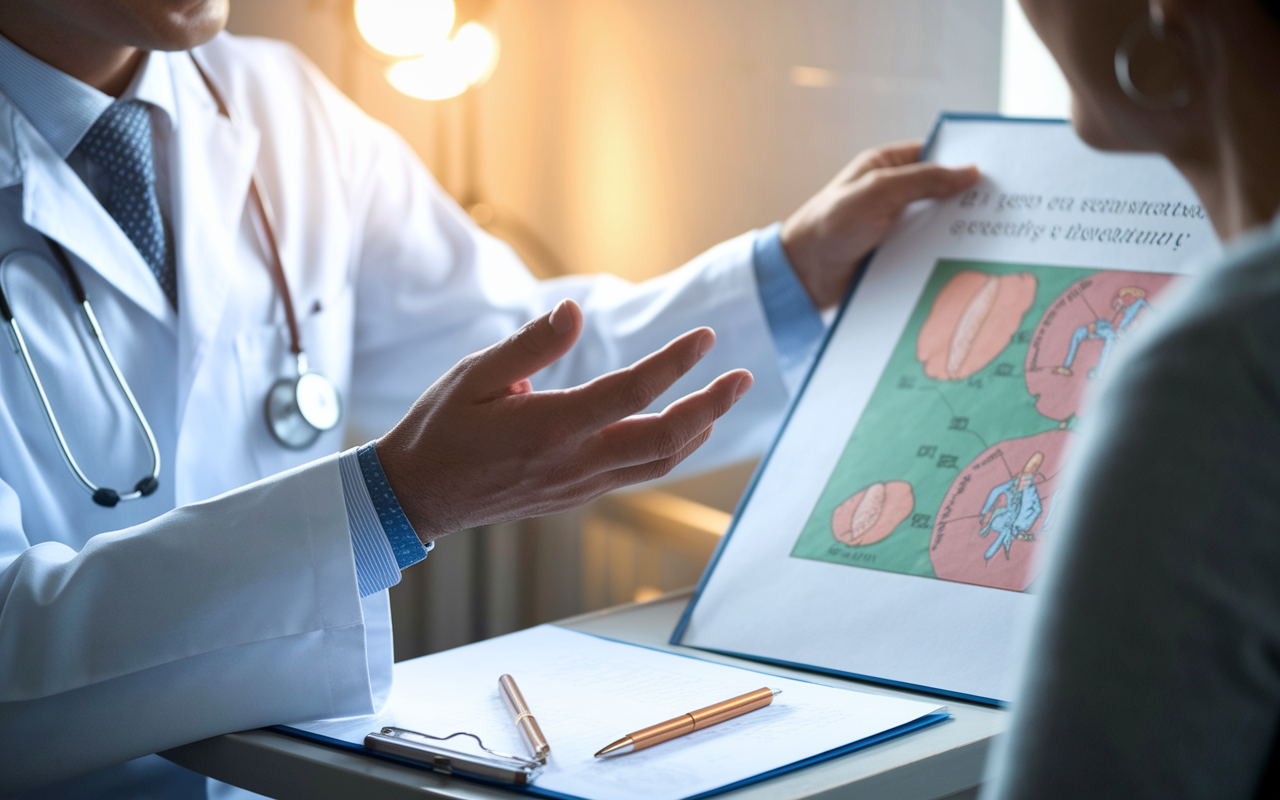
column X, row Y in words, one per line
column 397, row 493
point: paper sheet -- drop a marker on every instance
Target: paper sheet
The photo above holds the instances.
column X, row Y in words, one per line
column 587, row 692
column 847, row 554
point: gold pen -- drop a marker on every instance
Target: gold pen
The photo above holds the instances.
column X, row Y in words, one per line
column 693, row 721
column 528, row 726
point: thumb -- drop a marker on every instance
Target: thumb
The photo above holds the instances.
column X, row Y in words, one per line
column 908, row 183
column 538, row 344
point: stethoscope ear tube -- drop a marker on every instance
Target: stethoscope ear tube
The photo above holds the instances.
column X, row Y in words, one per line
column 109, row 497
column 4, row 307
column 101, row 495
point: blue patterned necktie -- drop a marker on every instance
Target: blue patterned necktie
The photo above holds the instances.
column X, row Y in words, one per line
column 119, row 144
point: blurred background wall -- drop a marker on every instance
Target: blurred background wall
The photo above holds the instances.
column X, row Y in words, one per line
column 628, row 136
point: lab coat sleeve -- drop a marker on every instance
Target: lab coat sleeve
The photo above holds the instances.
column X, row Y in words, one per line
column 166, row 633
column 433, row 287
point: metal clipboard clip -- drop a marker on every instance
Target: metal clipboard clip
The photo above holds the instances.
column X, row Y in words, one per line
column 424, row 749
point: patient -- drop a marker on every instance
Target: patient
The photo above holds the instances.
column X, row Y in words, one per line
column 1155, row 671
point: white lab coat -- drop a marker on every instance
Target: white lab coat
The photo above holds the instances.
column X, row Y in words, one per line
column 227, row 600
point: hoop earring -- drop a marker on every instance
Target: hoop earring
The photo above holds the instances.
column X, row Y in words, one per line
column 1178, row 98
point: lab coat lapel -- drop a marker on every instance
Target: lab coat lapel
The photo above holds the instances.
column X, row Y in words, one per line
column 56, row 203
column 214, row 160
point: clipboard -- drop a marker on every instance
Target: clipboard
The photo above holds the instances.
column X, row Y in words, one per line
column 586, row 690
column 430, row 752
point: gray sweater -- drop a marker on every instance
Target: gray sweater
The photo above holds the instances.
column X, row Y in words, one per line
column 1155, row 665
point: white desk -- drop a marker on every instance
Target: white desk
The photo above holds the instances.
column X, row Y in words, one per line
column 940, row 761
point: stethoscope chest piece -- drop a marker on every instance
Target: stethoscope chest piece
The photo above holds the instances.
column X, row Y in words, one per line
column 300, row 409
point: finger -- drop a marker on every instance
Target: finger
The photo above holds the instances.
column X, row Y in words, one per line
column 894, row 154
column 640, row 440
column 900, row 186
column 628, row 476
column 631, row 390
column 538, row 344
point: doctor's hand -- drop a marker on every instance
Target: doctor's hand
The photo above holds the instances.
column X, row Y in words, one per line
column 827, row 237
column 480, row 446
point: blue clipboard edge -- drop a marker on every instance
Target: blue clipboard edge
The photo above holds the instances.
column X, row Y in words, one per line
column 683, row 624
column 914, row 725
column 907, row 727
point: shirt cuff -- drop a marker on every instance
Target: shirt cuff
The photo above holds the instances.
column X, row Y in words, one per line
column 794, row 324
column 382, row 539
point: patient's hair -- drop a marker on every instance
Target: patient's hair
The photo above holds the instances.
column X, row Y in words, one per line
column 1272, row 7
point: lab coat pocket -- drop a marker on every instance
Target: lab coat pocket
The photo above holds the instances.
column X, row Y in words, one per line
column 264, row 357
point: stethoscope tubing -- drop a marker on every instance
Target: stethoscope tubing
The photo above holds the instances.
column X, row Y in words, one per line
column 268, row 228
column 140, row 418
column 293, row 411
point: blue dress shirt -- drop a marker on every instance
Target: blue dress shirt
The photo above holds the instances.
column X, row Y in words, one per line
column 795, row 325
column 62, row 109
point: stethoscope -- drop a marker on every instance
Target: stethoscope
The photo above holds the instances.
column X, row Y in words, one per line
column 298, row 409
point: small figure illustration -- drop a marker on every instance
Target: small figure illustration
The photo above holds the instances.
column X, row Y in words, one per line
column 1021, row 509
column 972, row 513
column 1127, row 303
column 1076, row 336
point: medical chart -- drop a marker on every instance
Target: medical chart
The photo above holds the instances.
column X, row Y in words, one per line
column 895, row 529
column 586, row 692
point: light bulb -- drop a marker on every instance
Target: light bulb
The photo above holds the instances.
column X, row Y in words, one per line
column 436, row 75
column 402, row 28
column 478, row 50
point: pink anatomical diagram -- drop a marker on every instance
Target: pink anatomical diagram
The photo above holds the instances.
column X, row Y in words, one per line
column 1073, row 343
column 973, row 318
column 873, row 513
column 998, row 513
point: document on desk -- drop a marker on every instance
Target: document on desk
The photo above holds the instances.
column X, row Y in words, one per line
column 893, row 532
column 587, row 692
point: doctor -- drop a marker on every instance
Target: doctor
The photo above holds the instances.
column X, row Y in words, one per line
column 183, row 550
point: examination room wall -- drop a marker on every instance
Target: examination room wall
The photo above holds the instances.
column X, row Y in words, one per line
column 627, row 136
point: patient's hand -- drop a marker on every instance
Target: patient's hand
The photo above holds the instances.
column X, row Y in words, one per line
column 827, row 237
column 480, row 446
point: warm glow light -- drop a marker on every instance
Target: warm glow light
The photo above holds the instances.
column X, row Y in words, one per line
column 812, row 77
column 449, row 66
column 403, row 28
column 478, row 51
column 443, row 67
column 437, row 75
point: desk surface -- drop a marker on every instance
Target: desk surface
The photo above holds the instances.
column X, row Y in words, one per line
column 936, row 762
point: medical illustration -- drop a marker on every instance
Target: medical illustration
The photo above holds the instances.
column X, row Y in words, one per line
column 953, row 470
